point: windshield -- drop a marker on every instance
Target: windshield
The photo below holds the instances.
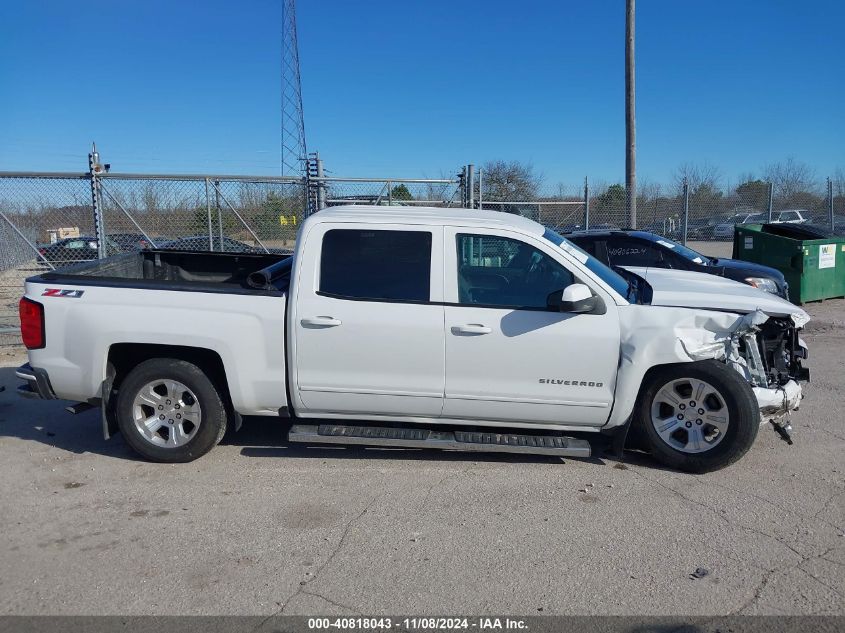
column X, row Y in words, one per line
column 683, row 251
column 610, row 277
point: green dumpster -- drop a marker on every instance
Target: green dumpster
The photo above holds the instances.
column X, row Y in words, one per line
column 812, row 261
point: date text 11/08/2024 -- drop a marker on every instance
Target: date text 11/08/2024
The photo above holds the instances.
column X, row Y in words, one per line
column 421, row 624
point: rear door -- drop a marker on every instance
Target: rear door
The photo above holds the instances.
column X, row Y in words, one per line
column 509, row 357
column 368, row 321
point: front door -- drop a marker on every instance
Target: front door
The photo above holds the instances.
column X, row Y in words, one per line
column 368, row 322
column 509, row 357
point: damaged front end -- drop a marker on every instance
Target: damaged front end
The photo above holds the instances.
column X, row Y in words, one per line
column 693, row 317
column 768, row 352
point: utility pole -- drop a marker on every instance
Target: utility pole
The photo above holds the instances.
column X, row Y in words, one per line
column 630, row 116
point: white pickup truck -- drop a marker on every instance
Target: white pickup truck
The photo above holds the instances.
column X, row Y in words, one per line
column 444, row 328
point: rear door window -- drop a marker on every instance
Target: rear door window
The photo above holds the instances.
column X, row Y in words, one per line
column 625, row 251
column 376, row 265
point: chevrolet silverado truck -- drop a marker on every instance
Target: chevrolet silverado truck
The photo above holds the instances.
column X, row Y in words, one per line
column 442, row 328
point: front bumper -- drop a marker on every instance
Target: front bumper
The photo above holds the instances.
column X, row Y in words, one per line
column 36, row 383
column 778, row 402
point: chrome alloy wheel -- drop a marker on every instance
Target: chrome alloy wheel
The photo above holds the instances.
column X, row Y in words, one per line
column 690, row 415
column 166, row 413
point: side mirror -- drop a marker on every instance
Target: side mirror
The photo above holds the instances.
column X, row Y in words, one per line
column 575, row 298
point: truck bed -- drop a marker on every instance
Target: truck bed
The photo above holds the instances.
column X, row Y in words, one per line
column 197, row 271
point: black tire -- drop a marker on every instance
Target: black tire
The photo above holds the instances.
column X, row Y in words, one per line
column 212, row 424
column 742, row 408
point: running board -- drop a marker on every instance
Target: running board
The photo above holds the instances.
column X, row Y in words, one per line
column 449, row 440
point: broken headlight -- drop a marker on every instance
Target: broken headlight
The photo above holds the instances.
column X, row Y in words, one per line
column 762, row 283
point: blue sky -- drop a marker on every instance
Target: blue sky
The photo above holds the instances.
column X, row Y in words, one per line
column 409, row 89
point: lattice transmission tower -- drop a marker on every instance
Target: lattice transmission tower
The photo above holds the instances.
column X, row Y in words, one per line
column 294, row 154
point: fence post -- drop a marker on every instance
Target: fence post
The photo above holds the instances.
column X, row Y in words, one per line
column 586, row 203
column 389, row 194
column 830, row 204
column 480, row 190
column 462, row 185
column 242, row 221
column 219, row 212
column 126, row 213
column 686, row 211
column 769, row 203
column 208, row 214
column 471, row 186
column 94, row 169
column 321, row 186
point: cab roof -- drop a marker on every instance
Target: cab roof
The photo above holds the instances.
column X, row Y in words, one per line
column 430, row 216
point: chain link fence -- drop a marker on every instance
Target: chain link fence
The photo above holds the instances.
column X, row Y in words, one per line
column 397, row 193
column 47, row 220
column 213, row 213
column 34, row 210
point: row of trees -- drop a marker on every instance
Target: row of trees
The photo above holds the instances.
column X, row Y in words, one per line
column 795, row 185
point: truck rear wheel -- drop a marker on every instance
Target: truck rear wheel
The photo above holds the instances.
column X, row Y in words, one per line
column 698, row 417
column 169, row 411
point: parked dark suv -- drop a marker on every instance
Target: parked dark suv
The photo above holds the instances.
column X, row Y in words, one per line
column 643, row 249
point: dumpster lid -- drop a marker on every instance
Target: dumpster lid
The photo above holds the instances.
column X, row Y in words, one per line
column 798, row 231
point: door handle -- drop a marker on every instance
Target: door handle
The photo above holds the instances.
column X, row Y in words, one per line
column 320, row 322
column 471, row 328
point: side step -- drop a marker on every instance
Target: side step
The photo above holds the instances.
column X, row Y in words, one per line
column 448, row 440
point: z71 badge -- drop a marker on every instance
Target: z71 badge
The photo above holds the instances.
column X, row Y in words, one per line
column 61, row 292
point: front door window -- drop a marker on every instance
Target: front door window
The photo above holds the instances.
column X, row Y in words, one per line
column 502, row 272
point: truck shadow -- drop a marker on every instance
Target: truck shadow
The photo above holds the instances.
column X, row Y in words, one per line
column 46, row 422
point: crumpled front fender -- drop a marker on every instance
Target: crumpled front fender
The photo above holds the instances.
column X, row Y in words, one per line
column 657, row 335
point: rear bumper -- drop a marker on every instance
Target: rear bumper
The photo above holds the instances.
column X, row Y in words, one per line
column 36, row 383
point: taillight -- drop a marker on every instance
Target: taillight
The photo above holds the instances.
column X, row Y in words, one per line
column 32, row 323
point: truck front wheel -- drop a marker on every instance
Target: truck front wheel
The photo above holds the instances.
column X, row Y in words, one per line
column 169, row 411
column 698, row 417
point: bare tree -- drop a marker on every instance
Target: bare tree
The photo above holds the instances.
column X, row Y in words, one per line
column 568, row 192
column 648, row 189
column 700, row 177
column 510, row 181
column 790, row 177
column 150, row 198
column 839, row 182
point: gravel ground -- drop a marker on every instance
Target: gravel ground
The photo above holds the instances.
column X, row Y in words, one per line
column 261, row 527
